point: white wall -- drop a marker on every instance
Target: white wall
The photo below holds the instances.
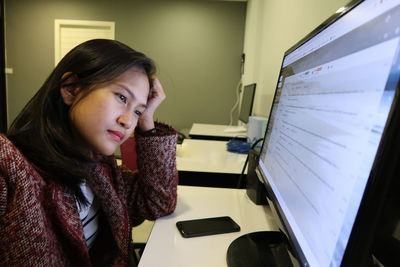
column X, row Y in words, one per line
column 272, row 27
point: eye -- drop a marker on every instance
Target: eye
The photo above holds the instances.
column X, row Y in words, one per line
column 138, row 113
column 121, row 97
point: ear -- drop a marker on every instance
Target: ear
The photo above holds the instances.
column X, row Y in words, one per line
column 68, row 90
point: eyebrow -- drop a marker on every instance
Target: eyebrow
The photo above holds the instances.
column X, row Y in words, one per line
column 132, row 94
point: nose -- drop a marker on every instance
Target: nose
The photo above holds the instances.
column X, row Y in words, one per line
column 127, row 120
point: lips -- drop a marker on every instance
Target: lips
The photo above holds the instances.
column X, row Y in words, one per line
column 116, row 135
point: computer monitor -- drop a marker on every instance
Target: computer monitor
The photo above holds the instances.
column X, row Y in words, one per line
column 330, row 152
column 246, row 106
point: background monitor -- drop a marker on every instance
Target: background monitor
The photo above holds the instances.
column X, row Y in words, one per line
column 330, row 153
column 246, row 106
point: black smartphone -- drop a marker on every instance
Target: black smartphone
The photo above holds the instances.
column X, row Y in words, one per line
column 207, row 226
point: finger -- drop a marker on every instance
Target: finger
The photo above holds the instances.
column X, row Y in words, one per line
column 158, row 90
column 157, row 85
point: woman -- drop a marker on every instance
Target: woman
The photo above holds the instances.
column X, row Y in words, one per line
column 63, row 199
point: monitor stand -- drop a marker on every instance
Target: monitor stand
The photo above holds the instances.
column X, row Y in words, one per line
column 267, row 248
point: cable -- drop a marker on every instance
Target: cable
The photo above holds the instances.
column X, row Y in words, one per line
column 245, row 164
column 242, row 60
column 237, row 101
column 238, row 146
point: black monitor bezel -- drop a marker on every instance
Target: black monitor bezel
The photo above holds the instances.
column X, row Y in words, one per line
column 253, row 87
column 383, row 172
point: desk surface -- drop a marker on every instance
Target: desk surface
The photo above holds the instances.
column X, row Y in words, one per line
column 214, row 130
column 197, row 155
column 166, row 247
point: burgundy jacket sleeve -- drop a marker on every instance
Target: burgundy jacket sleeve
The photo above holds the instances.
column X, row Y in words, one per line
column 152, row 191
column 3, row 195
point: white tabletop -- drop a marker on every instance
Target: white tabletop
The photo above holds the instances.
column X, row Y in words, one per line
column 208, row 156
column 217, row 130
column 166, row 247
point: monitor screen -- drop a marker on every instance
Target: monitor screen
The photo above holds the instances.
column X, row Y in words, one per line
column 247, row 102
column 334, row 99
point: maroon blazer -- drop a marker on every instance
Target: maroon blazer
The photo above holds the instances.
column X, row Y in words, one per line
column 39, row 220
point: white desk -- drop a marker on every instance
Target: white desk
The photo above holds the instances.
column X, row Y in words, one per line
column 207, row 156
column 208, row 163
column 213, row 131
column 166, row 247
column 197, row 155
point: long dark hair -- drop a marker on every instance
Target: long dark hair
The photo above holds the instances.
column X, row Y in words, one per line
column 42, row 131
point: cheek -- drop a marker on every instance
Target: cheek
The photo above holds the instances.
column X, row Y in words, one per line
column 78, row 123
column 85, row 119
column 90, row 110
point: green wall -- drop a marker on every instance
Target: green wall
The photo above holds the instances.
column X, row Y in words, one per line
column 196, row 44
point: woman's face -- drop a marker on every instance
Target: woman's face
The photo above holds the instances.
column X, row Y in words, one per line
column 106, row 116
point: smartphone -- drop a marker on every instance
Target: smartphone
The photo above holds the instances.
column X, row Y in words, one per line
column 207, row 226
